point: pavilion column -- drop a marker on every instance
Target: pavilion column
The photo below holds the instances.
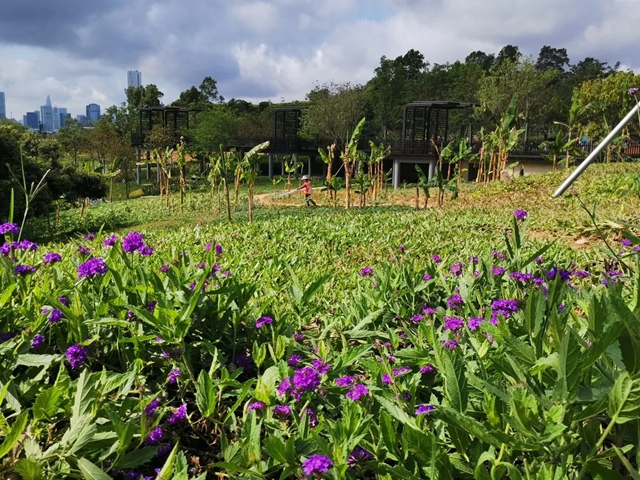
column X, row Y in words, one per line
column 432, row 169
column 396, row 174
column 270, row 165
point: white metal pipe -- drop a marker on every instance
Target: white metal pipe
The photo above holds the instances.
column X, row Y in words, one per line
column 596, row 151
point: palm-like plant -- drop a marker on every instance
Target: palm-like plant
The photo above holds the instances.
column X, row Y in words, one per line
column 250, row 171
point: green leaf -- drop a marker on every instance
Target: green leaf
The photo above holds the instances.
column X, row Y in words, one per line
column 35, row 360
column 455, row 382
column 206, row 398
column 91, row 471
column 468, row 424
column 137, row 457
column 14, row 434
column 6, row 295
column 276, row 449
column 566, row 387
column 232, row 467
column 47, row 403
column 624, row 399
column 397, row 412
column 29, row 469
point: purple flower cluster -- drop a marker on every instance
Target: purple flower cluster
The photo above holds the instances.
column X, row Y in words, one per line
column 522, row 277
column 426, row 277
column 92, row 267
column 24, row 270
column 316, row 464
column 264, row 320
column 504, row 308
column 9, row 228
column 452, row 323
column 633, row 90
column 474, row 322
column 455, row 301
column 256, row 406
column 37, row 341
column 345, row 381
column 55, row 316
column 76, row 355
column 358, row 455
column 134, row 242
column 425, row 409
column 173, row 375
column 417, row 318
column 82, row 250
column 52, row 257
column 427, row 368
column 155, row 436
column 151, row 407
column 366, row 271
column 179, row 415
column 282, row 410
column 457, row 269
column 321, row 366
column 110, row 241
column 357, row 392
column 520, row 214
column 450, row 344
column 294, row 360
column 498, row 271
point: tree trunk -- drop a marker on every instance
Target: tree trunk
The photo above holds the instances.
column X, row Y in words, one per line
column 250, row 202
column 417, row 198
column 226, row 193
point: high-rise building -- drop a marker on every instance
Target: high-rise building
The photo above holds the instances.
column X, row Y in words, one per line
column 32, row 120
column 3, row 107
column 46, row 116
column 82, row 119
column 93, row 113
column 59, row 117
column 134, row 78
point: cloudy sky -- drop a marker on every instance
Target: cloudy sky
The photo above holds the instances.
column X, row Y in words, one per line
column 78, row 51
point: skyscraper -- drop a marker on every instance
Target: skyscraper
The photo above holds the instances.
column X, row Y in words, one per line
column 134, row 78
column 3, row 107
column 46, row 116
column 93, row 113
column 32, row 120
column 59, row 117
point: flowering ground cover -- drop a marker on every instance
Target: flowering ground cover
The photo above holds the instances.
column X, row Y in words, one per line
column 365, row 345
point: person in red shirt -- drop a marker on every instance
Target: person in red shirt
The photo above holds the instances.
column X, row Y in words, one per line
column 306, row 186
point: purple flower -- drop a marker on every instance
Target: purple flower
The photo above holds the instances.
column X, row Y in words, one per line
column 457, row 269
column 320, row 365
column 386, row 379
column 402, row 248
column 218, row 249
column 110, row 241
column 417, row 318
column 298, row 337
column 284, row 386
column 5, row 249
column 92, row 267
column 132, row 242
column 425, row 409
column 165, row 268
column 313, row 418
column 497, row 271
column 24, row 270
column 52, row 257
column 306, row 379
column 366, row 271
column 633, row 90
column 82, row 250
column 450, row 344
column 155, row 436
column 401, row 371
column 25, row 245
column 282, row 410
column 436, row 258
column 173, row 375
column 504, row 307
column 454, row 301
column 358, row 455
column 37, row 341
column 64, row 300
column 316, row 464
column 294, row 360
column 55, row 316
column 208, row 246
column 580, row 274
column 626, row 242
column 426, row 277
column 474, row 322
column 9, row 228
column 520, row 214
column 356, row 392
column 151, row 306
column 522, row 277
column 151, row 407
column 498, row 255
column 429, row 310
column 76, row 355
column 427, row 368
column 256, row 406
column 7, row 336
column 264, row 320
column 345, row 381
column 90, row 236
column 179, row 415
column 164, row 450
column 145, row 250
column 244, row 361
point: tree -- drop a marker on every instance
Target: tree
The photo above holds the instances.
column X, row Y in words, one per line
column 213, row 127
column 72, row 138
column 334, row 112
column 509, row 53
column 552, row 59
column 481, row 58
column 209, row 89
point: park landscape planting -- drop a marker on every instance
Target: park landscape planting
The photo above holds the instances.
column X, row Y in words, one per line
column 468, row 341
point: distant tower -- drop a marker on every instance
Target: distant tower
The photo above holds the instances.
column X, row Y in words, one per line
column 134, row 78
column 93, row 113
column 46, row 116
column 3, row 107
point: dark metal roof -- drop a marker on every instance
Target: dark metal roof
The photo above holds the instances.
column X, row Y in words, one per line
column 441, row 104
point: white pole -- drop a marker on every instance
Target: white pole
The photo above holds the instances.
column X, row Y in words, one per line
column 596, row 151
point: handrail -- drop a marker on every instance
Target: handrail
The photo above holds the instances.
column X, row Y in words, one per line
column 607, row 140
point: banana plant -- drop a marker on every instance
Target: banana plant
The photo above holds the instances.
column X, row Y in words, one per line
column 182, row 161
column 291, row 164
column 349, row 158
column 250, row 171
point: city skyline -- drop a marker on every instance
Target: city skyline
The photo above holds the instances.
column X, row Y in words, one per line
column 78, row 52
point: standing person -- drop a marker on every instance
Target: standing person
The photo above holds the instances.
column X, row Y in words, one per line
column 306, row 186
